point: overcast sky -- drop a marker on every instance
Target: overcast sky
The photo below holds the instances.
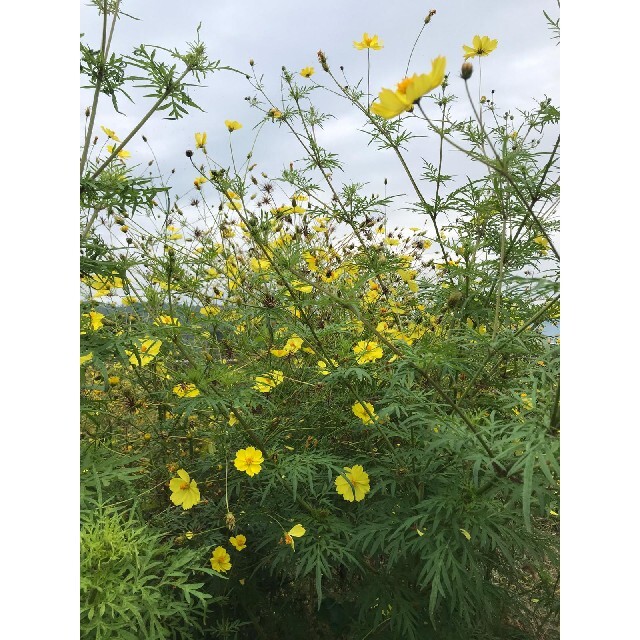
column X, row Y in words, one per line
column 524, row 66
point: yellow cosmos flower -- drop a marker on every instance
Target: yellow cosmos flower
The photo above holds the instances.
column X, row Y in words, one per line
column 365, row 414
column 259, row 264
column 232, row 419
column 368, row 42
column 110, row 134
column 165, row 319
column 249, row 460
column 543, row 243
column 307, row 72
column 146, row 350
column 95, row 319
column 123, row 155
column 274, row 113
column 311, row 260
column 185, row 490
column 409, row 91
column 293, row 344
column 210, row 310
column 232, row 125
column 370, row 351
column 201, row 140
column 220, row 560
column 295, row 532
column 186, row 390
column 301, row 286
column 354, row 484
column 199, row 181
column 269, row 381
column 481, row 46
column 322, row 367
column 239, row 542
column 87, row 357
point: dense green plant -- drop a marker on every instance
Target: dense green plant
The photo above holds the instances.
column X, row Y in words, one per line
column 357, row 424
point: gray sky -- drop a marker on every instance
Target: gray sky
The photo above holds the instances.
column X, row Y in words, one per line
column 524, row 66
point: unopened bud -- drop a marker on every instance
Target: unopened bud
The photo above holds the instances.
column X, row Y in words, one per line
column 87, row 112
column 322, row 59
column 430, row 15
column 188, row 153
column 251, row 62
column 144, row 138
column 466, row 70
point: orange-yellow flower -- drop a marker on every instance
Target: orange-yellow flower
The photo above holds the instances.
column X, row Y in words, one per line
column 368, row 42
column 201, row 140
column 370, row 351
column 146, row 349
column 357, row 485
column 185, row 490
column 268, row 381
column 186, row 390
column 293, row 344
column 249, row 460
column 220, row 560
column 123, row 155
column 307, row 72
column 363, row 413
column 110, row 133
column 409, row 91
column 481, row 46
column 232, row 125
column 239, row 542
column 295, row 532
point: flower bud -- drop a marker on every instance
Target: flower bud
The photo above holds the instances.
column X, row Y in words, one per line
column 189, row 153
column 466, row 70
column 430, row 15
column 87, row 112
column 251, row 62
column 144, row 138
column 322, row 59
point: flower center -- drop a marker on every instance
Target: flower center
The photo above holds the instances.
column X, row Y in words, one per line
column 184, row 486
column 248, row 460
column 404, row 85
